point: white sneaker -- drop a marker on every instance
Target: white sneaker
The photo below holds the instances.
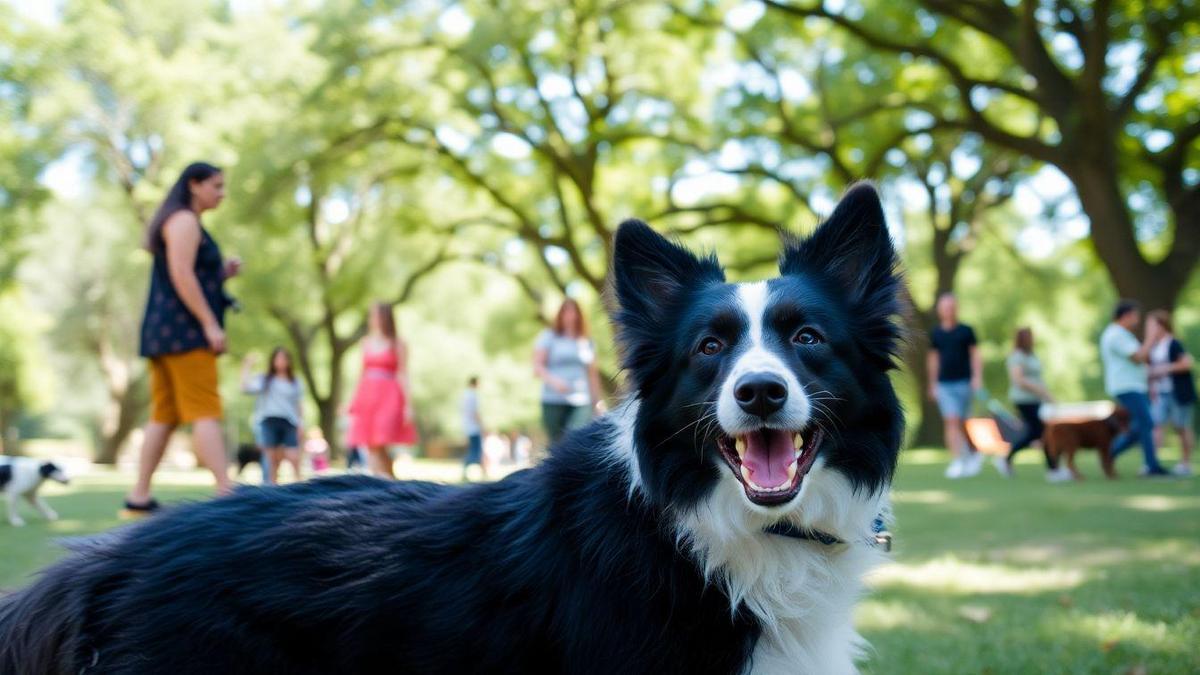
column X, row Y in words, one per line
column 1060, row 475
column 972, row 464
column 1144, row 471
column 955, row 470
column 1182, row 469
column 1002, row 466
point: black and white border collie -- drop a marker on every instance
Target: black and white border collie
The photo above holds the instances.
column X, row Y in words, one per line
column 20, row 478
column 718, row 521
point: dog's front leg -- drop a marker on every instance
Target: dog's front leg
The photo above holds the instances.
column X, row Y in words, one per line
column 41, row 505
column 14, row 518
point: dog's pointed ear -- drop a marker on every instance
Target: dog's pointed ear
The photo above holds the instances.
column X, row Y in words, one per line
column 852, row 245
column 650, row 272
column 853, row 250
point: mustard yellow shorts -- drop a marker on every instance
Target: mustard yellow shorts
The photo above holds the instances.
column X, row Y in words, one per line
column 183, row 387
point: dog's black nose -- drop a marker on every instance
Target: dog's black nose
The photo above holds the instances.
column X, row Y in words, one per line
column 760, row 393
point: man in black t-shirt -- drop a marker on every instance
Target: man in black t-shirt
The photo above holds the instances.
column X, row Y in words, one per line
column 955, row 374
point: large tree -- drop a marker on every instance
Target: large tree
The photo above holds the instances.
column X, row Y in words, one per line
column 330, row 237
column 137, row 93
column 1106, row 92
column 562, row 119
column 802, row 122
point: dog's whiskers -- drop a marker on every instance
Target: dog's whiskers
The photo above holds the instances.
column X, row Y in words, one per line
column 692, row 424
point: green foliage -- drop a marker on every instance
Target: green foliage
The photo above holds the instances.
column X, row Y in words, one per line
column 469, row 160
column 24, row 386
column 27, row 140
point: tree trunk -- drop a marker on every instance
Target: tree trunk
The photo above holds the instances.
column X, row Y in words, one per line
column 8, row 437
column 946, row 263
column 327, row 410
column 327, row 418
column 1112, row 234
column 928, row 430
column 124, row 411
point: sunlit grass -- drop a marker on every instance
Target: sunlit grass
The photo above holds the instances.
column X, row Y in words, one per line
column 989, row 575
column 948, row 575
column 1018, row 576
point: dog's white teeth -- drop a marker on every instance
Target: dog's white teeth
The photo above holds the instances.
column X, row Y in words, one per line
column 758, row 488
column 739, row 444
column 797, row 443
column 791, row 472
column 746, row 475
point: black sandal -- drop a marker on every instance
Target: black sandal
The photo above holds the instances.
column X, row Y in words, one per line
column 141, row 509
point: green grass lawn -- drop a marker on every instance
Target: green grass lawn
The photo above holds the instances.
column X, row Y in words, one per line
column 990, row 575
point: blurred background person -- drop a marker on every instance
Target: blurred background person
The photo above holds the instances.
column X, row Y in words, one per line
column 564, row 359
column 183, row 329
column 473, row 428
column 317, row 449
column 1027, row 391
column 1172, row 389
column 1126, row 379
column 381, row 409
column 955, row 371
column 278, row 411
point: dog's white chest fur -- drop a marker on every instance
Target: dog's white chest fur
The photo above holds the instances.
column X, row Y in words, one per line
column 802, row 592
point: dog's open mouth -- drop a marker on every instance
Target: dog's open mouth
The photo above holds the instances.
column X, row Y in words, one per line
column 770, row 463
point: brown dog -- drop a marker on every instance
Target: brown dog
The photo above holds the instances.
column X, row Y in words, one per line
column 1066, row 437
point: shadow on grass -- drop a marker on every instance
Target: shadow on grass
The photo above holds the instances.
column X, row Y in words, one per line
column 1017, row 576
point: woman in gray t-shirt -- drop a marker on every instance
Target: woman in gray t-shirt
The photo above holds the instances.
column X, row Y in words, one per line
column 1027, row 391
column 278, row 413
column 564, row 359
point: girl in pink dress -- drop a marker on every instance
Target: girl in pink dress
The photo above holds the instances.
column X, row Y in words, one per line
column 381, row 410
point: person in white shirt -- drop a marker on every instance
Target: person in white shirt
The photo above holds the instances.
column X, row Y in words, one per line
column 1172, row 389
column 1126, row 379
column 472, row 427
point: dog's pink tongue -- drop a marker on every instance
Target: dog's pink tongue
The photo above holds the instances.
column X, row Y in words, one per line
column 768, row 454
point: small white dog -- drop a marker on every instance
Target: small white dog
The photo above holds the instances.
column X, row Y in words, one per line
column 21, row 477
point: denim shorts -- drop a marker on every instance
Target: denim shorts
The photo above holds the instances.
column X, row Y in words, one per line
column 474, row 450
column 1167, row 410
column 277, row 432
column 954, row 398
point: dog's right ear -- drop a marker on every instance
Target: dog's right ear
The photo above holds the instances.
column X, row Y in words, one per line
column 651, row 273
column 651, row 277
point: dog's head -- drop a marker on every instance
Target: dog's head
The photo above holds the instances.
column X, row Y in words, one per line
column 52, row 471
column 758, row 382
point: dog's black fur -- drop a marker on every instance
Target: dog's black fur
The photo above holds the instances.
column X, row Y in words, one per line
column 557, row 569
column 247, row 454
column 548, row 571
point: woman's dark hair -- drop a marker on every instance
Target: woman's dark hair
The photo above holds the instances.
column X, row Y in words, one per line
column 560, row 321
column 291, row 376
column 179, row 198
column 387, row 322
column 1024, row 340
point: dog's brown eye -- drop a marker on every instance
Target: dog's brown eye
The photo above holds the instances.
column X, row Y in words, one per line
column 807, row 336
column 710, row 346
